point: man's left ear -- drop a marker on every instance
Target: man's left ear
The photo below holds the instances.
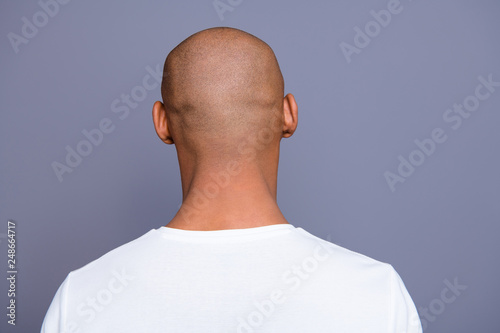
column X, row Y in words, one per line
column 161, row 123
column 290, row 114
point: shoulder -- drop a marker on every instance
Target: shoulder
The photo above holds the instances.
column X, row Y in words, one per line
column 125, row 255
column 343, row 270
column 354, row 286
column 342, row 255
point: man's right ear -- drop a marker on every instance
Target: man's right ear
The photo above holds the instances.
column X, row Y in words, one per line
column 161, row 123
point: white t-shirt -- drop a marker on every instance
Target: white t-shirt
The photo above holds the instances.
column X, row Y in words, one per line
column 275, row 278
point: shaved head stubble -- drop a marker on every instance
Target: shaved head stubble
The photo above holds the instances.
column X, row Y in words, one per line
column 223, row 108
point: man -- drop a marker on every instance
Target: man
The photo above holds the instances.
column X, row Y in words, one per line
column 229, row 261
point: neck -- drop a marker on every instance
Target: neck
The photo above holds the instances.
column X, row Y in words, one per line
column 239, row 196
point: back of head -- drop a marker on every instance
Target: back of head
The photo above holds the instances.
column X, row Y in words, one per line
column 221, row 86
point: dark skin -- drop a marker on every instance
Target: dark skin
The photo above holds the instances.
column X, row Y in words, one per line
column 223, row 108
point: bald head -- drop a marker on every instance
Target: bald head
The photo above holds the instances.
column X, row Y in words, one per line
column 220, row 86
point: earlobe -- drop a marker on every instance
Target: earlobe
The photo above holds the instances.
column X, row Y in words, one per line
column 290, row 113
column 161, row 123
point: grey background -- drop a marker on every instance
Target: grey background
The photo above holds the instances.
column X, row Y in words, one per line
column 355, row 119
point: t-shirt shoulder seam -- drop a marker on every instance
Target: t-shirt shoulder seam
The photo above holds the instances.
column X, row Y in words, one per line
column 64, row 300
column 344, row 249
column 391, row 302
column 112, row 251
